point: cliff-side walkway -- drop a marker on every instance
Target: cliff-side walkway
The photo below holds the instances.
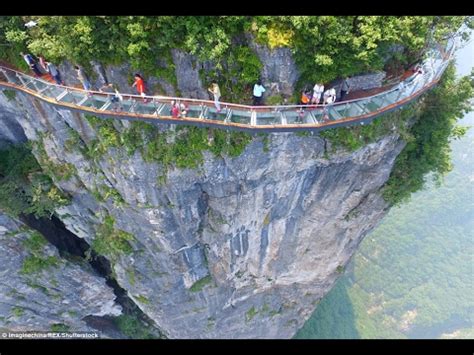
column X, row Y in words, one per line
column 287, row 118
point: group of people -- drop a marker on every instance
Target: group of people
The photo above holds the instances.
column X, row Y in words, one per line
column 40, row 66
column 258, row 90
column 178, row 109
column 318, row 95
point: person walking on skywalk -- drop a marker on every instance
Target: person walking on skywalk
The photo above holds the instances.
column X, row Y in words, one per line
column 32, row 64
column 258, row 91
column 141, row 87
column 81, row 75
column 54, row 72
column 216, row 92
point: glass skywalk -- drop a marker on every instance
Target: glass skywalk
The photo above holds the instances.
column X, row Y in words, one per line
column 233, row 116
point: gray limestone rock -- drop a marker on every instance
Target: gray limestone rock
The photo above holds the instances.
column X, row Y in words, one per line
column 242, row 247
column 39, row 299
column 279, row 73
column 10, row 131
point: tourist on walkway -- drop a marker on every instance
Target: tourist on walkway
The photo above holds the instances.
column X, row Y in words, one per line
column 318, row 90
column 116, row 99
column 344, row 89
column 81, row 75
column 216, row 92
column 174, row 111
column 418, row 72
column 31, row 61
column 42, row 63
column 183, row 110
column 141, row 88
column 329, row 96
column 54, row 72
column 305, row 97
column 258, row 91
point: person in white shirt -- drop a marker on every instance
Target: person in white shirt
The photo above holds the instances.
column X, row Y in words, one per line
column 258, row 91
column 318, row 90
column 329, row 96
column 333, row 96
column 216, row 92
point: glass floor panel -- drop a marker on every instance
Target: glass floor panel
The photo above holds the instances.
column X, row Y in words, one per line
column 95, row 102
column 239, row 119
column 69, row 97
column 9, row 77
column 148, row 108
column 215, row 116
column 268, row 118
column 375, row 104
column 354, row 110
column 193, row 113
column 54, row 91
column 293, row 116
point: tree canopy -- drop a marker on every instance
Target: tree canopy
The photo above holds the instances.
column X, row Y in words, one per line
column 325, row 47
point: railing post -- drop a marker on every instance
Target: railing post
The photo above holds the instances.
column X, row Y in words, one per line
column 228, row 116
column 253, row 118
column 132, row 106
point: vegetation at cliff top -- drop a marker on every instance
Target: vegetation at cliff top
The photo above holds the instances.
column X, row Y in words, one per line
column 325, row 47
column 429, row 149
column 24, row 187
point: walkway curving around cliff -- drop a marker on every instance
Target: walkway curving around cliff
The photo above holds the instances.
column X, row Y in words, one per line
column 288, row 118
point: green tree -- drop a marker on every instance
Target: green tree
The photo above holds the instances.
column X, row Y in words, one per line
column 429, row 150
column 24, row 187
column 325, row 47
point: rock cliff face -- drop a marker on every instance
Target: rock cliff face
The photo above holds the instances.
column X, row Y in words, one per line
column 10, row 130
column 40, row 290
column 241, row 247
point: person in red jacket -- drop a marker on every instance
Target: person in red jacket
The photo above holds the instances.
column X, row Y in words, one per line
column 174, row 109
column 140, row 84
